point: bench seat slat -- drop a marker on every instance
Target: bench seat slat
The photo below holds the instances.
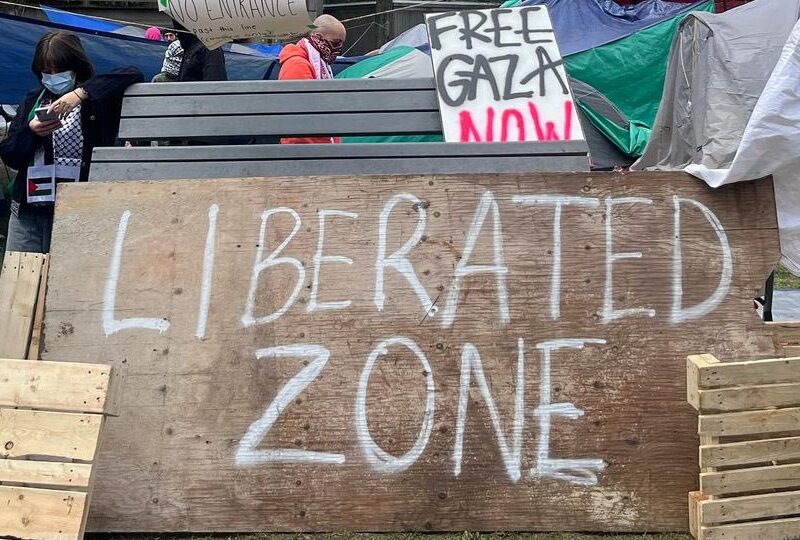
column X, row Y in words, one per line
column 284, row 103
column 336, row 151
column 339, row 86
column 118, row 171
column 332, row 124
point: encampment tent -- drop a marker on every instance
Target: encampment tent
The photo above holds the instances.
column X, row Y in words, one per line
column 718, row 67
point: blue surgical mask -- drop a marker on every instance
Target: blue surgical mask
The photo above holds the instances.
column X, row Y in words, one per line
column 59, row 83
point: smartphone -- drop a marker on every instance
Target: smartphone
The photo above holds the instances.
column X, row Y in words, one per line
column 43, row 116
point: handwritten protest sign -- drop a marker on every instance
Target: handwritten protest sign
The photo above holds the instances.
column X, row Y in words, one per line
column 500, row 76
column 483, row 352
column 216, row 22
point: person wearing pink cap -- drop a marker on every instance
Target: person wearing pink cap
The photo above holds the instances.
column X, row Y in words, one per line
column 153, row 33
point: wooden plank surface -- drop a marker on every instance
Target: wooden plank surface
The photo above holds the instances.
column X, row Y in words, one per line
column 753, row 372
column 45, row 473
column 336, row 86
column 37, row 434
column 770, row 505
column 231, row 168
column 187, row 452
column 38, row 318
column 54, row 386
column 749, row 422
column 19, row 288
column 747, row 452
column 749, row 397
column 779, row 529
column 752, row 479
column 40, row 514
column 352, row 124
column 366, row 102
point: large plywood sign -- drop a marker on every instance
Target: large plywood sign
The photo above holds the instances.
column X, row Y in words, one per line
column 388, row 353
column 216, row 22
column 500, row 76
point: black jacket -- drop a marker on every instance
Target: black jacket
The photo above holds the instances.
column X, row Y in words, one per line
column 199, row 63
column 99, row 123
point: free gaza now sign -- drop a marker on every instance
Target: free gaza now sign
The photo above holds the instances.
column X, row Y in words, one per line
column 500, row 76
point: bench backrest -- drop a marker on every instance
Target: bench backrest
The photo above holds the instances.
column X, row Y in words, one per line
column 205, row 110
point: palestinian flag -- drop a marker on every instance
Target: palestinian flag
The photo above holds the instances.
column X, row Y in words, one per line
column 40, row 187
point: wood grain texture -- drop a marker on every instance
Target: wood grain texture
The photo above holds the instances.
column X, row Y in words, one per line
column 34, row 349
column 769, row 505
column 45, row 473
column 778, row 529
column 54, row 386
column 753, row 372
column 749, row 397
column 40, row 514
column 749, row 422
column 19, row 289
column 37, row 434
column 748, row 452
column 169, row 460
column 752, row 479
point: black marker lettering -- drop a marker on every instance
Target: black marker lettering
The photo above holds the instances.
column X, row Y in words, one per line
column 541, row 72
column 434, row 31
column 500, row 31
column 441, row 79
column 528, row 34
column 481, row 71
column 513, row 62
column 469, row 32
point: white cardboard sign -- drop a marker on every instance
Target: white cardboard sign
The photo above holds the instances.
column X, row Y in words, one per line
column 500, row 76
column 216, row 22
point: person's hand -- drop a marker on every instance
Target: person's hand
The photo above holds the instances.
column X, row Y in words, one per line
column 64, row 105
column 43, row 129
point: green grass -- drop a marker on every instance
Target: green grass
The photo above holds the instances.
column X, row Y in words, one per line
column 401, row 536
column 785, row 280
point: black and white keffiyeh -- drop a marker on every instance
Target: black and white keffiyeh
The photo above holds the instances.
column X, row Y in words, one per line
column 68, row 140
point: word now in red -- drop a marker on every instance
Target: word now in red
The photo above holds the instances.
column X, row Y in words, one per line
column 514, row 125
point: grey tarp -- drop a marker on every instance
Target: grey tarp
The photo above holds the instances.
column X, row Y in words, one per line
column 718, row 67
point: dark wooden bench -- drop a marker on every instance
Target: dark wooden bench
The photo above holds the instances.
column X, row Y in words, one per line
column 224, row 122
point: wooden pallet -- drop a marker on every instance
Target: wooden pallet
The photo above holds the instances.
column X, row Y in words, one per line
column 51, row 416
column 749, row 428
column 22, row 287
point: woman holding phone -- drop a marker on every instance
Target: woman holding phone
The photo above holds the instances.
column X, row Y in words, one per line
column 56, row 128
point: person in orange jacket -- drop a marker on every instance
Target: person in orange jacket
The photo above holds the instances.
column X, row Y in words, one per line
column 310, row 59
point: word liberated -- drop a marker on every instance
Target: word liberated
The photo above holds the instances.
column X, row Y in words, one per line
column 487, row 216
column 500, row 76
column 218, row 21
column 577, row 471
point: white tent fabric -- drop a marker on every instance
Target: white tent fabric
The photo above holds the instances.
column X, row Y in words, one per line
column 718, row 66
column 416, row 36
column 771, row 145
column 414, row 65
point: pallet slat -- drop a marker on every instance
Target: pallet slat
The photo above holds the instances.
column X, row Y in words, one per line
column 748, row 397
column 19, row 290
column 54, row 386
column 749, row 422
column 45, row 473
column 64, row 436
column 778, row 529
column 44, row 514
column 748, row 452
column 753, row 479
column 754, row 372
column 751, row 507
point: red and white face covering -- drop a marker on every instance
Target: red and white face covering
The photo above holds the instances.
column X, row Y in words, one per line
column 328, row 49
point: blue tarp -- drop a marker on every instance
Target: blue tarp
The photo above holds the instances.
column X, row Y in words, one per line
column 106, row 50
column 585, row 24
column 81, row 21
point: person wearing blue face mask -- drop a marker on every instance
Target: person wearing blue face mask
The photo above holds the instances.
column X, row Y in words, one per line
column 55, row 146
